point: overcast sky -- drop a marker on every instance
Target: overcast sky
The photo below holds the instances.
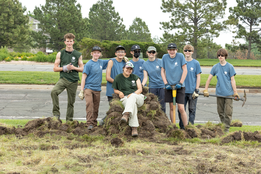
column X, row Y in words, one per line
column 144, row 9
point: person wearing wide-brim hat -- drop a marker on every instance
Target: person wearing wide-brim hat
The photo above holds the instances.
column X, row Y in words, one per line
column 128, row 87
column 91, row 85
column 152, row 68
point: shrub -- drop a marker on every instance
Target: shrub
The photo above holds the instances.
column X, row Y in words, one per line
column 13, row 54
column 8, row 59
column 51, row 57
column 3, row 56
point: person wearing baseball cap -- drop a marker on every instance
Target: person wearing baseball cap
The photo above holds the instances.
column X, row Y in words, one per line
column 152, row 68
column 174, row 72
column 114, row 68
column 128, row 86
column 91, row 85
column 135, row 51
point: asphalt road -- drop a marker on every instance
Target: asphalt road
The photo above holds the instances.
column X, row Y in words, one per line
column 37, row 103
column 49, row 67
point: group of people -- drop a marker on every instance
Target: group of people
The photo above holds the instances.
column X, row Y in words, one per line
column 126, row 79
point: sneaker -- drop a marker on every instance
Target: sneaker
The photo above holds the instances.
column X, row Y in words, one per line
column 90, row 127
column 134, row 132
column 125, row 117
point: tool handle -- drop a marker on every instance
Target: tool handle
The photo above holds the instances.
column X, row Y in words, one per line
column 212, row 95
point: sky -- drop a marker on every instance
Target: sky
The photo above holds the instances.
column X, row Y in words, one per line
column 144, row 9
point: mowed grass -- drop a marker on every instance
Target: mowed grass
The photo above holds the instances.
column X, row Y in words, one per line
column 50, row 78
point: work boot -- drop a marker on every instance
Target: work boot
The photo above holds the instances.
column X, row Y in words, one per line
column 134, row 132
column 125, row 117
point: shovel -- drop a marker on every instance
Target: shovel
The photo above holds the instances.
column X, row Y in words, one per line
column 174, row 93
column 244, row 98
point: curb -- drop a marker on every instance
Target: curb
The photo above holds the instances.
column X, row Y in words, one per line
column 50, row 87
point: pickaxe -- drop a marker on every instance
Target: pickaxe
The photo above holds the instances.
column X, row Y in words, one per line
column 244, row 98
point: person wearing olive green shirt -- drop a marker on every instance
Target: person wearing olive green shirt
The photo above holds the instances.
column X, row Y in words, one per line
column 68, row 62
column 129, row 88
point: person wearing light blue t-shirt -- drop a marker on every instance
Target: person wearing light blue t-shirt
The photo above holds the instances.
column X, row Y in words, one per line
column 192, row 83
column 91, row 85
column 137, row 63
column 226, row 86
column 114, row 68
column 152, row 68
column 174, row 72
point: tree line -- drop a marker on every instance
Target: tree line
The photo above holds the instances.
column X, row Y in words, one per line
column 195, row 22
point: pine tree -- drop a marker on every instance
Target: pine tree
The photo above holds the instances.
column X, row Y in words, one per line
column 13, row 23
column 58, row 17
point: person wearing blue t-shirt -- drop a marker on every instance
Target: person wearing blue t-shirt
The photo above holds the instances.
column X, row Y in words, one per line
column 91, row 85
column 192, row 83
column 173, row 72
column 114, row 68
column 137, row 63
column 152, row 68
column 226, row 86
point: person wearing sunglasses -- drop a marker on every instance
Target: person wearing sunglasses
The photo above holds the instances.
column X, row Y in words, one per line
column 114, row 68
column 136, row 61
column 226, row 86
column 152, row 68
column 174, row 72
column 128, row 86
column 91, row 86
column 192, row 83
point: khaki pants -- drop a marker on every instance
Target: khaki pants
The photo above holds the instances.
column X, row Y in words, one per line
column 225, row 110
column 71, row 88
column 92, row 99
column 131, row 105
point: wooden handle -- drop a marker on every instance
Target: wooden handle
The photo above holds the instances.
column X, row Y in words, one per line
column 174, row 114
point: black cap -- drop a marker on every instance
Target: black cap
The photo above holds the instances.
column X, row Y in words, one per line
column 96, row 48
column 135, row 47
column 120, row 47
column 172, row 46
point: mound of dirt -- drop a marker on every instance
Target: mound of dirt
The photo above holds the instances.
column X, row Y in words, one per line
column 150, row 117
column 239, row 135
column 236, row 124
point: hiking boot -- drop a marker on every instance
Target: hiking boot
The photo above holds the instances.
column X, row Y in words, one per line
column 90, row 127
column 134, row 132
column 125, row 117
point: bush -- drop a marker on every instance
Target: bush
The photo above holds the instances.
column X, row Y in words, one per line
column 13, row 54
column 51, row 57
column 8, row 59
column 3, row 56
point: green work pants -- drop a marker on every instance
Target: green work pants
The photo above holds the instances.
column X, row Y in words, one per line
column 225, row 110
column 71, row 88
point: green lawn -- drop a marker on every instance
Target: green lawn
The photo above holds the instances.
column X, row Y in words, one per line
column 50, row 78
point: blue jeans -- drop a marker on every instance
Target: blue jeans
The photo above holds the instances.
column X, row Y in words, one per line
column 160, row 93
column 192, row 105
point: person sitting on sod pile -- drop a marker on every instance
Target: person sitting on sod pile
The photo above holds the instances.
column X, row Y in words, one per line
column 91, row 85
column 226, row 86
column 129, row 88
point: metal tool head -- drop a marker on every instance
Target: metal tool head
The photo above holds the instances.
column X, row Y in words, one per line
column 244, row 98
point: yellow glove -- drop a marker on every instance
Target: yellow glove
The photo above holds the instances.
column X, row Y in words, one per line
column 236, row 96
column 81, row 96
column 205, row 92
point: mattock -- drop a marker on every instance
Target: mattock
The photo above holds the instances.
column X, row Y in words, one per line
column 244, row 98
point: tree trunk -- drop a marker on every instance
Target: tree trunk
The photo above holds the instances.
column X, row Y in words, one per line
column 249, row 48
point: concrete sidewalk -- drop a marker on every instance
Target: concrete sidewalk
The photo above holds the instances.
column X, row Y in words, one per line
column 50, row 87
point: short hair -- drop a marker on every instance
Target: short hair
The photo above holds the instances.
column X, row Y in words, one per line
column 222, row 52
column 69, row 36
column 188, row 47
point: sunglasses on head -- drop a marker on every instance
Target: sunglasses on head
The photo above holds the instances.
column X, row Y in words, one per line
column 221, row 55
column 187, row 50
column 151, row 52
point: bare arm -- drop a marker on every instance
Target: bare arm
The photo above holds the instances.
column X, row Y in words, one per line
column 57, row 62
column 184, row 74
column 139, row 86
column 84, row 76
column 108, row 72
column 163, row 75
column 233, row 83
column 145, row 77
column 116, row 91
column 198, row 81
column 208, row 81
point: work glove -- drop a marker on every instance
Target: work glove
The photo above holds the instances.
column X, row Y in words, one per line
column 178, row 86
column 236, row 96
column 168, row 87
column 205, row 92
column 195, row 94
column 65, row 68
column 81, row 96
